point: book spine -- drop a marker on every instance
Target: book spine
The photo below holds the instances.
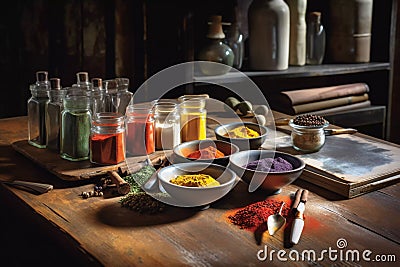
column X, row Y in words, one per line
column 329, row 103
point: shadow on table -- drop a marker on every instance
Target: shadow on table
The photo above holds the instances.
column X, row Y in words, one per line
column 115, row 215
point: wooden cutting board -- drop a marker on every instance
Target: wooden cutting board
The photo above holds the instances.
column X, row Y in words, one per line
column 81, row 170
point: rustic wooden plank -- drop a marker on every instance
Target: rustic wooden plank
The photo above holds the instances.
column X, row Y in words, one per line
column 79, row 170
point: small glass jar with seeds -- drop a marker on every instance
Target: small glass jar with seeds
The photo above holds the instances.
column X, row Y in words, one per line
column 308, row 132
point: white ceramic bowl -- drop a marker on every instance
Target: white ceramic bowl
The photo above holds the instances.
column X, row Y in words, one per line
column 273, row 181
column 197, row 196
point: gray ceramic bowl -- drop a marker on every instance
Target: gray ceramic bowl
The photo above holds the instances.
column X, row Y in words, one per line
column 197, row 196
column 242, row 143
column 273, row 181
column 181, row 151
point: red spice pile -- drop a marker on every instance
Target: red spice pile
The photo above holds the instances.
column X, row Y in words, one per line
column 206, row 153
column 253, row 215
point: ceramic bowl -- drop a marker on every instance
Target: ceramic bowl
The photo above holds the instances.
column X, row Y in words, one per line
column 197, row 196
column 181, row 151
column 273, row 181
column 242, row 143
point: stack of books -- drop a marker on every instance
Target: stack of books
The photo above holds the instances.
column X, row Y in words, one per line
column 321, row 101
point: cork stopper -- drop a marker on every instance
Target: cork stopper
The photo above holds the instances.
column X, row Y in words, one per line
column 82, row 77
column 314, row 17
column 97, row 82
column 41, row 76
column 55, row 84
column 215, row 29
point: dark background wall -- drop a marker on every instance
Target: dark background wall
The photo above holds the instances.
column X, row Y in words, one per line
column 136, row 39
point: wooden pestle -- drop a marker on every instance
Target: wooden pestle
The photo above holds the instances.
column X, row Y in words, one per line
column 123, row 186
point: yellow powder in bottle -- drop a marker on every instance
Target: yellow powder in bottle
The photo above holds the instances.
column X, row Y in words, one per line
column 242, row 132
column 195, row 180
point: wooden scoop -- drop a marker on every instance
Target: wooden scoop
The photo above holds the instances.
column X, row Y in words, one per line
column 276, row 221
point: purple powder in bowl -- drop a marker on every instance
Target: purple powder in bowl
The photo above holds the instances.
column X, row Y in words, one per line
column 269, row 164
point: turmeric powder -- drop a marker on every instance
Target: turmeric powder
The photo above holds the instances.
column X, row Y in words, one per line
column 242, row 132
column 195, row 180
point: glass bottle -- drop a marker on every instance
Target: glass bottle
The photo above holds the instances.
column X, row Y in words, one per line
column 82, row 80
column 235, row 41
column 124, row 95
column 111, row 95
column 53, row 114
column 97, row 96
column 139, row 123
column 75, row 128
column 269, row 31
column 315, row 39
column 193, row 116
column 167, row 125
column 215, row 50
column 107, row 139
column 37, row 110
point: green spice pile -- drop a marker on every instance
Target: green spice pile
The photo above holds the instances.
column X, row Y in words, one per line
column 138, row 200
column 309, row 120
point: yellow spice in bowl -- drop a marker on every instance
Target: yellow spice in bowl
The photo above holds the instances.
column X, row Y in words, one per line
column 242, row 132
column 195, row 180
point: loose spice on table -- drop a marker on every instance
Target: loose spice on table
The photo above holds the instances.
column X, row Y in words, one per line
column 254, row 215
column 206, row 153
column 138, row 200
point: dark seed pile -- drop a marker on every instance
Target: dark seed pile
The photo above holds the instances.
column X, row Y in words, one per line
column 309, row 120
column 142, row 203
column 138, row 200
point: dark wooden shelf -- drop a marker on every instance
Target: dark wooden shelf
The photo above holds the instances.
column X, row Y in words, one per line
column 297, row 72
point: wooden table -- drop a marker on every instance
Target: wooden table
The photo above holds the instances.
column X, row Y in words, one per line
column 59, row 227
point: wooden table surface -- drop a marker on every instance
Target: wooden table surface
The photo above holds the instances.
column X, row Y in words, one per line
column 98, row 231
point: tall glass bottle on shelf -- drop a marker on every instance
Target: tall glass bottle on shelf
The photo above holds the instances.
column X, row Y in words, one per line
column 315, row 39
column 215, row 50
column 53, row 114
column 36, row 106
column 235, row 41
